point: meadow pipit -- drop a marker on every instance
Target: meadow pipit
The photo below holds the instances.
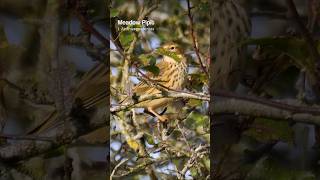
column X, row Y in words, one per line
column 172, row 75
column 90, row 93
column 231, row 26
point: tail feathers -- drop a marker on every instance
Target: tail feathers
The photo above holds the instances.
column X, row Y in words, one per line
column 92, row 92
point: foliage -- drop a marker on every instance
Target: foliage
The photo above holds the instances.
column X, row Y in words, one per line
column 48, row 53
column 282, row 68
column 168, row 145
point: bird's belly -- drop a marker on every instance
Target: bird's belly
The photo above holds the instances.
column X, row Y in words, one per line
column 155, row 103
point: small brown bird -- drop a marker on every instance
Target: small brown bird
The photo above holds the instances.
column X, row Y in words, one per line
column 172, row 74
column 231, row 26
column 91, row 92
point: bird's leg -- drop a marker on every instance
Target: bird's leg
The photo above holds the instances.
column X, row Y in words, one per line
column 161, row 118
column 164, row 110
column 147, row 112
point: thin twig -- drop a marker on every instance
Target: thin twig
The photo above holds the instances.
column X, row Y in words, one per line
column 304, row 31
column 197, row 153
column 244, row 108
column 195, row 44
column 148, row 11
column 89, row 28
column 184, row 136
column 27, row 137
column 271, row 103
column 116, row 167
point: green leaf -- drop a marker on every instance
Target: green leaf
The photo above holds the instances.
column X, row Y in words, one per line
column 147, row 59
column 152, row 61
column 267, row 168
column 197, row 80
column 34, row 167
column 194, row 172
column 126, row 38
column 204, row 6
column 55, row 152
column 153, row 69
column 150, row 139
column 114, row 12
column 206, row 162
column 194, row 102
column 266, row 130
column 295, row 48
column 3, row 38
column 173, row 55
column 195, row 119
column 144, row 59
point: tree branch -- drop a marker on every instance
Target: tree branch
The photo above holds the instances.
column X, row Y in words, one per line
column 272, row 103
column 252, row 109
column 195, row 44
column 304, row 31
column 171, row 94
column 197, row 153
column 89, row 28
column 57, row 136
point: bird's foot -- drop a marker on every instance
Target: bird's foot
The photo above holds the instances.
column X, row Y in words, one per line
column 163, row 118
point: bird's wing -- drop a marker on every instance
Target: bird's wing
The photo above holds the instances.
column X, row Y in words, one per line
column 92, row 91
column 143, row 87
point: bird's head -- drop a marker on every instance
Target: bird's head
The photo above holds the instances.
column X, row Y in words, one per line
column 171, row 50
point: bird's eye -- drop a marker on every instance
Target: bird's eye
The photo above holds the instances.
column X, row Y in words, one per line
column 172, row 48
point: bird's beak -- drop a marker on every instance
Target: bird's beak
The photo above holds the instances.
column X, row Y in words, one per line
column 158, row 50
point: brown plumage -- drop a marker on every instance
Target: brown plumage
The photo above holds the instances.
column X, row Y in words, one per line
column 231, row 26
column 173, row 72
column 91, row 93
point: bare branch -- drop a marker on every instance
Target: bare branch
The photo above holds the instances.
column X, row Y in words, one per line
column 252, row 109
column 89, row 28
column 194, row 40
column 172, row 94
column 26, row 137
column 57, row 136
column 304, row 31
column 197, row 153
column 116, row 167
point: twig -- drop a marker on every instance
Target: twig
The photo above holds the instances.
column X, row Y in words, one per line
column 147, row 162
column 148, row 11
column 67, row 166
column 117, row 108
column 244, row 108
column 304, row 31
column 116, row 167
column 195, row 44
column 89, row 28
column 27, row 137
column 199, row 152
column 274, row 104
column 184, row 136
column 83, row 41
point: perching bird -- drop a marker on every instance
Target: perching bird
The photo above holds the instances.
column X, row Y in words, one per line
column 173, row 73
column 91, row 93
column 230, row 27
